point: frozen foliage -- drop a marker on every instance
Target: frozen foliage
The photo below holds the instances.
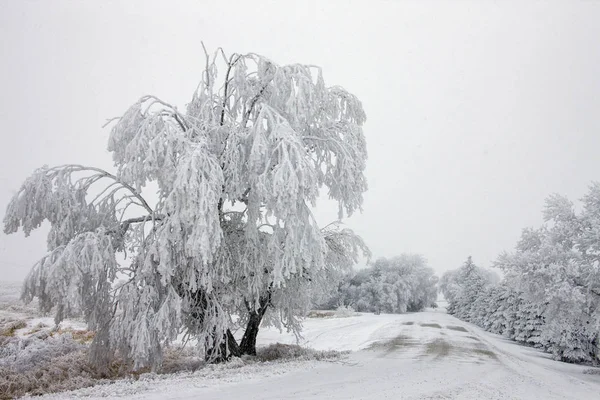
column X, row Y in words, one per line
column 550, row 295
column 231, row 231
column 395, row 285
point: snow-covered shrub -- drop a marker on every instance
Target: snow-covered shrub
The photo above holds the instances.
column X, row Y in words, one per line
column 66, row 372
column 178, row 359
column 344, row 312
column 22, row 354
column 339, row 312
column 47, row 360
column 280, row 351
column 320, row 314
column 592, row 371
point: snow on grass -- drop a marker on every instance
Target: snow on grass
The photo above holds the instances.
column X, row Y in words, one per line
column 37, row 356
column 212, row 377
column 27, row 316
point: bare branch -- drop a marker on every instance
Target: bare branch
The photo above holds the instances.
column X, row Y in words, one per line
column 135, row 193
column 230, row 64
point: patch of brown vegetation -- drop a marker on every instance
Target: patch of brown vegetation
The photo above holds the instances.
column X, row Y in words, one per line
column 79, row 335
column 8, row 328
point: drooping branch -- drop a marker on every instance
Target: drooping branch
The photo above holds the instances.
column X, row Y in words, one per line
column 103, row 173
column 253, row 103
column 125, row 224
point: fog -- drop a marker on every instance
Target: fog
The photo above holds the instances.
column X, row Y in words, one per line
column 476, row 111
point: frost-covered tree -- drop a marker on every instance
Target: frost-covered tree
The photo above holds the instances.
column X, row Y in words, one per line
column 463, row 286
column 395, row 285
column 550, row 294
column 556, row 270
column 229, row 230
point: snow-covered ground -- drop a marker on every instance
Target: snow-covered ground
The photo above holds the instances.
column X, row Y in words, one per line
column 428, row 355
column 12, row 308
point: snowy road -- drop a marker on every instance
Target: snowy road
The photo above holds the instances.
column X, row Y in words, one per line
column 428, row 355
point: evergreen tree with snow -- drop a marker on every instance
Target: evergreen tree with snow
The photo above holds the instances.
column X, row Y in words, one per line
column 550, row 295
column 462, row 288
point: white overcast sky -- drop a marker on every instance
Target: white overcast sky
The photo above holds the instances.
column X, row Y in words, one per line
column 476, row 110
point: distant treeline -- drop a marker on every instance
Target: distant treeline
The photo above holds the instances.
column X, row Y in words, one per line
column 394, row 285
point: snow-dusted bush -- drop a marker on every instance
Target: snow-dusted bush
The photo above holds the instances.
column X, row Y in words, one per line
column 67, row 372
column 178, row 359
column 9, row 326
column 339, row 312
column 22, row 354
column 280, row 351
column 344, row 312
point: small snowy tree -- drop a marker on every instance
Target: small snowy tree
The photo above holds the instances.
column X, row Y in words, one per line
column 231, row 228
column 463, row 287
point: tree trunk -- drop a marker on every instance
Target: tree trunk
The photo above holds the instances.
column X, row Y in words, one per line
column 248, row 343
column 224, row 351
column 219, row 347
